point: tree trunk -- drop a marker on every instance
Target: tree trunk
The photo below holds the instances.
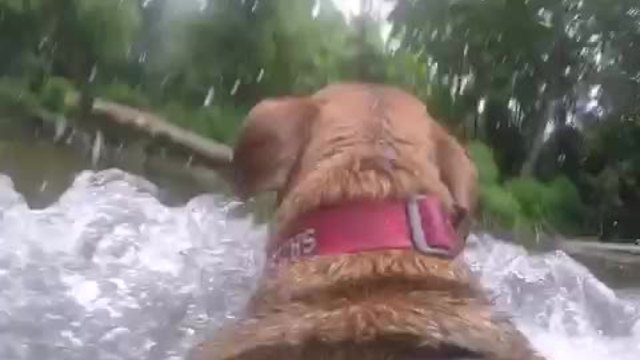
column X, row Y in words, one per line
column 529, row 165
column 87, row 95
column 362, row 19
column 558, row 61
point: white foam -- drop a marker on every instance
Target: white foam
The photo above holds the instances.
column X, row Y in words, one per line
column 562, row 308
column 110, row 273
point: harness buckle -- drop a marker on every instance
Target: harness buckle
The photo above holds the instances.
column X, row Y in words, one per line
column 418, row 233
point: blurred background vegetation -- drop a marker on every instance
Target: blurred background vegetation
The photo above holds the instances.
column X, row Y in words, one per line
column 544, row 92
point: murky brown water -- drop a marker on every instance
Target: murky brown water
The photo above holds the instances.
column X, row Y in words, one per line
column 42, row 170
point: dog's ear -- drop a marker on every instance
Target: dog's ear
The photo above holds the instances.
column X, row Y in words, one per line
column 270, row 144
column 459, row 174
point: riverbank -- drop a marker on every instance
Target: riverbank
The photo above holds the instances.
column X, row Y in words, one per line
column 621, row 253
column 618, row 265
column 622, row 250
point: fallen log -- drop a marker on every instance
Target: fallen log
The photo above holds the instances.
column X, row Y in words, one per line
column 155, row 126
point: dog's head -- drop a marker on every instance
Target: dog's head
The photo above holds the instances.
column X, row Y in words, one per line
column 285, row 139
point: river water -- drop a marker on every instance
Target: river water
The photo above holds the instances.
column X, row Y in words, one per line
column 107, row 270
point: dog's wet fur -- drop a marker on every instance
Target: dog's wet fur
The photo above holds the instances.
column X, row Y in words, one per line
column 354, row 141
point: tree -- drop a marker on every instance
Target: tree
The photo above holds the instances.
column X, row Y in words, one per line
column 19, row 38
column 81, row 36
column 515, row 54
column 247, row 50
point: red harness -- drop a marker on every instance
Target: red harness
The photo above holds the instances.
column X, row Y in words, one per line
column 419, row 223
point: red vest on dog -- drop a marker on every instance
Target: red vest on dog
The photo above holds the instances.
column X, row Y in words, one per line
column 419, row 223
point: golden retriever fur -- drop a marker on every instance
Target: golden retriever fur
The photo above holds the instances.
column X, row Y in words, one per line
column 354, row 141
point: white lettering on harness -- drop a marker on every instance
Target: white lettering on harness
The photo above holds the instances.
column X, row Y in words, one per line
column 301, row 244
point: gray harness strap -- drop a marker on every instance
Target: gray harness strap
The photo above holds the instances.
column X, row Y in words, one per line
column 418, row 236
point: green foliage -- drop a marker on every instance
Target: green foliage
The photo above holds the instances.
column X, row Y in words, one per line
column 219, row 123
column 483, row 157
column 564, row 207
column 86, row 32
column 500, row 209
column 556, row 204
column 273, row 47
column 16, row 98
column 122, row 93
column 524, row 203
column 530, row 193
column 54, row 94
column 526, row 56
column 407, row 70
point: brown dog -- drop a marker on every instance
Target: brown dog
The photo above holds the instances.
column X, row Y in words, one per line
column 348, row 144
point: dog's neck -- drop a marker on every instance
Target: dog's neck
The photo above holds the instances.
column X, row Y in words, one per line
column 347, row 180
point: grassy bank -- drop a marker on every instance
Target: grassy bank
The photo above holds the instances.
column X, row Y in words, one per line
column 59, row 96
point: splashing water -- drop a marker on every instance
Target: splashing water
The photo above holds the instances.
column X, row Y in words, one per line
column 108, row 272
column 556, row 302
